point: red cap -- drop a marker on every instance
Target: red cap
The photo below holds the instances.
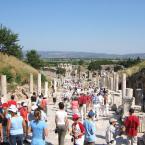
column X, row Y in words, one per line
column 75, row 117
column 5, row 105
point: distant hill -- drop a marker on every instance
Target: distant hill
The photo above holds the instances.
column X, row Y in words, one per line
column 67, row 54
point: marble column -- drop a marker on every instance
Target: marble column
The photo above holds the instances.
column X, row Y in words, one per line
column 117, row 82
column 31, row 84
column 55, row 84
column 114, row 81
column 46, row 90
column 123, row 85
column 111, row 83
column 39, row 85
column 4, row 88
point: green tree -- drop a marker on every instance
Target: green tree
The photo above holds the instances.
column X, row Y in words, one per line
column 94, row 66
column 33, row 58
column 9, row 43
column 61, row 71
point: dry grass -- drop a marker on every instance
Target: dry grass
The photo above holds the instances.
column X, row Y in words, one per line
column 16, row 66
column 134, row 69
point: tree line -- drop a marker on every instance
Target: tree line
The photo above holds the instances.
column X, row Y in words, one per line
column 9, row 44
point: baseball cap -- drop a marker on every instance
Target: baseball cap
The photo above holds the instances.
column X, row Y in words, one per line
column 91, row 113
column 13, row 108
column 112, row 120
column 75, row 117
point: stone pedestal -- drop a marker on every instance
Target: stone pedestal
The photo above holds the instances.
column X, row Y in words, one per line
column 46, row 90
column 31, row 84
column 123, row 85
column 4, row 88
column 39, row 85
column 129, row 92
column 127, row 103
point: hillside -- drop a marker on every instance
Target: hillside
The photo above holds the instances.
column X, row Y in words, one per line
column 16, row 69
column 135, row 69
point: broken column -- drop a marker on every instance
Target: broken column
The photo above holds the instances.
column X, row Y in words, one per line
column 4, row 88
column 31, row 84
column 114, row 81
column 39, row 85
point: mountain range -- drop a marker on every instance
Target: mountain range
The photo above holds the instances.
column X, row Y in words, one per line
column 71, row 54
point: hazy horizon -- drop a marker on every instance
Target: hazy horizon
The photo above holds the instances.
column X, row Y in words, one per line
column 97, row 26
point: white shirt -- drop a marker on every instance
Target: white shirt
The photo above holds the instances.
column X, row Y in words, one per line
column 110, row 133
column 61, row 115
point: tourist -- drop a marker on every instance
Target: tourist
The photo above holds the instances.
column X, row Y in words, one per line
column 5, row 117
column 131, row 124
column 106, row 105
column 111, row 132
column 83, row 105
column 61, row 122
column 96, row 105
column 75, row 106
column 33, row 98
column 12, row 101
column 38, row 128
column 90, row 129
column 1, row 129
column 16, row 127
column 78, row 130
column 44, row 103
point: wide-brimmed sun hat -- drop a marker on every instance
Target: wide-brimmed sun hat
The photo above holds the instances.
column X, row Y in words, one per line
column 13, row 108
column 112, row 120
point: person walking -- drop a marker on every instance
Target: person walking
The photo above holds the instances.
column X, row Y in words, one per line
column 16, row 127
column 38, row 128
column 131, row 124
column 61, row 122
column 78, row 130
column 90, row 128
column 111, row 132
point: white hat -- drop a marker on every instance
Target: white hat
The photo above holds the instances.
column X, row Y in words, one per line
column 112, row 120
column 25, row 104
column 34, row 107
column 13, row 108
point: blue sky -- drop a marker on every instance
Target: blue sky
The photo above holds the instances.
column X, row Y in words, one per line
column 100, row 26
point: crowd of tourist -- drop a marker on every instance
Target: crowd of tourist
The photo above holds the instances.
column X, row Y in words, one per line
column 19, row 119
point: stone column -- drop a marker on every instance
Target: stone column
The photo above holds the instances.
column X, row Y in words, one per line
column 55, row 84
column 31, row 84
column 116, row 82
column 39, row 85
column 123, row 85
column 46, row 90
column 111, row 83
column 4, row 87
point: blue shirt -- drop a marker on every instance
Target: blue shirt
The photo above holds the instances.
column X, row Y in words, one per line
column 16, row 125
column 38, row 129
column 90, row 134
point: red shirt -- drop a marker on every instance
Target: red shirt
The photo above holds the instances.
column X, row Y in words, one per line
column 131, row 124
column 24, row 113
column 83, row 99
column 12, row 102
